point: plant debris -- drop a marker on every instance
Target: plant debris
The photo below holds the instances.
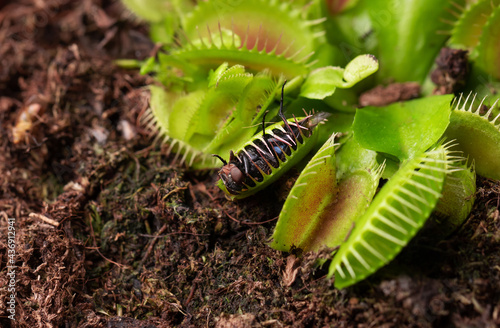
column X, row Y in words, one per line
column 451, row 72
column 382, row 96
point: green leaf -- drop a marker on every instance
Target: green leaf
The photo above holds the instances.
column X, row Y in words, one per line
column 403, row 129
column 488, row 49
column 215, row 75
column 148, row 66
column 407, row 34
column 322, row 82
column 358, row 69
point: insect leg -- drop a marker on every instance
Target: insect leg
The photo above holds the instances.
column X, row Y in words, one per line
column 246, row 165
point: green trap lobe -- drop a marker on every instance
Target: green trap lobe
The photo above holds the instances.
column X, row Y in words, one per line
column 396, row 214
column 478, row 139
column 313, row 191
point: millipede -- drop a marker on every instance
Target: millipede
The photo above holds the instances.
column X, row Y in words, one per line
column 268, row 155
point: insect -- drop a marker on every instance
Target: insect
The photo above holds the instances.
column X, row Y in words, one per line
column 266, row 157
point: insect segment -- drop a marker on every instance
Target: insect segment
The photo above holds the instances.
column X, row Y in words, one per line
column 266, row 157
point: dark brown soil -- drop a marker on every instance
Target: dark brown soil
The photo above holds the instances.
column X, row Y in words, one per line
column 385, row 95
column 110, row 233
column 452, row 69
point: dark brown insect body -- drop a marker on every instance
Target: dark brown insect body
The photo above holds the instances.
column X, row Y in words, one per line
column 259, row 158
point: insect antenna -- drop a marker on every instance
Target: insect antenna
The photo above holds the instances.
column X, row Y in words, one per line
column 283, row 115
column 222, row 159
column 264, row 124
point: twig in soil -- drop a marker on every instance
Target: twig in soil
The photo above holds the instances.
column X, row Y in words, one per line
column 174, row 233
column 96, row 248
column 137, row 165
column 307, row 287
column 250, row 223
column 44, row 218
column 193, row 289
column 175, row 191
column 152, row 243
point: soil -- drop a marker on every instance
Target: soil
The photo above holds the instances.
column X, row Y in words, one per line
column 452, row 69
column 386, row 95
column 111, row 233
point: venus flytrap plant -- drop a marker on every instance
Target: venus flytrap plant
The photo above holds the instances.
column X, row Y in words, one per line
column 488, row 48
column 323, row 216
column 398, row 211
column 414, row 190
column 408, row 44
column 271, row 39
column 220, row 114
column 223, row 65
column 259, row 34
column 323, row 82
column 468, row 28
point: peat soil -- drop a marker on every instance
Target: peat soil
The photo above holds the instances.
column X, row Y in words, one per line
column 111, row 233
